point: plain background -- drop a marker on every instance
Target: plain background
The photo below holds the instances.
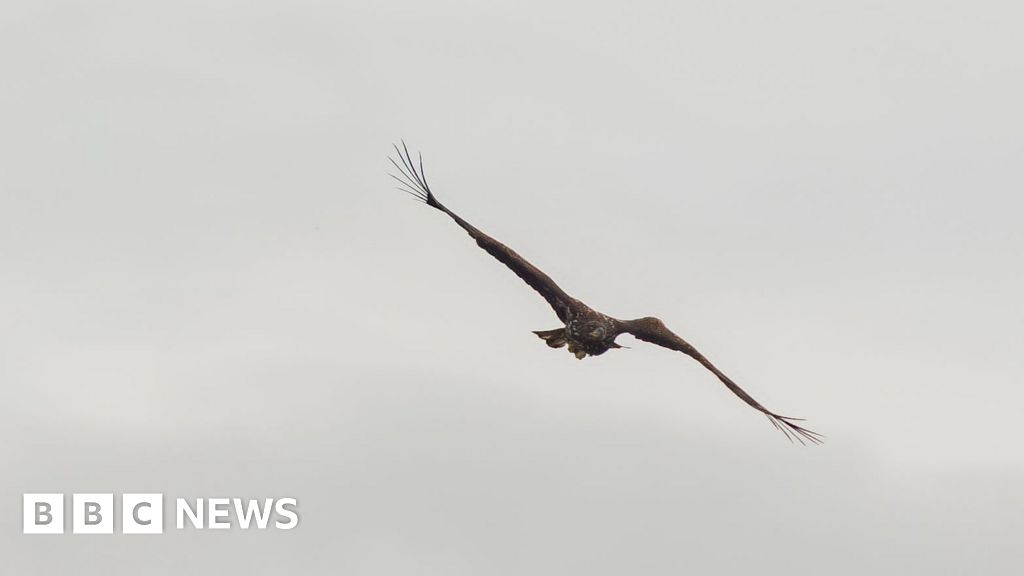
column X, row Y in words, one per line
column 208, row 286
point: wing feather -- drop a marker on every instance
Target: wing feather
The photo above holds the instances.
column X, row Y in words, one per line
column 414, row 182
column 654, row 331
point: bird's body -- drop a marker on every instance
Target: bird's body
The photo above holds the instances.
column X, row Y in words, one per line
column 586, row 332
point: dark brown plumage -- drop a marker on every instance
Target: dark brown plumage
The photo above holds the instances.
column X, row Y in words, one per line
column 587, row 332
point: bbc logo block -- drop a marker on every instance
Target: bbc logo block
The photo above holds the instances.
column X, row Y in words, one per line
column 97, row 513
column 142, row 513
column 93, row 513
column 43, row 514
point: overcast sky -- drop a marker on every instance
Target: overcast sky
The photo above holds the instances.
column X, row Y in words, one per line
column 210, row 288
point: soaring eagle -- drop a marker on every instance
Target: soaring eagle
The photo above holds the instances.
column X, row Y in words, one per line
column 587, row 332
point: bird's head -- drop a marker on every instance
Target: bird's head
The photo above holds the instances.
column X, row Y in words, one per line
column 595, row 330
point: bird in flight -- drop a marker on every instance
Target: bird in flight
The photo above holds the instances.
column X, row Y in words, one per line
column 586, row 332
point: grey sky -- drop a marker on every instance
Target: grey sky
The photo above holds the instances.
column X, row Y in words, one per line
column 209, row 287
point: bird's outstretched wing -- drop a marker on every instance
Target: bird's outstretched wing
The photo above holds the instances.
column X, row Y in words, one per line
column 654, row 331
column 412, row 181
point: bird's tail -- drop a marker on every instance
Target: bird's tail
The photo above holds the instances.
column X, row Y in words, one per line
column 413, row 181
column 554, row 338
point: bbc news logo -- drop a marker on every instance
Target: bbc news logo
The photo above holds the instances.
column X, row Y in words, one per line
column 144, row 513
